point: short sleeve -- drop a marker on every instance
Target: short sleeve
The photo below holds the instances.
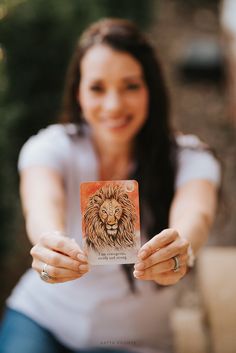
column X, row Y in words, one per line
column 195, row 161
column 49, row 148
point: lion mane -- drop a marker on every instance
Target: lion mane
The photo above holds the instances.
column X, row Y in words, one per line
column 98, row 237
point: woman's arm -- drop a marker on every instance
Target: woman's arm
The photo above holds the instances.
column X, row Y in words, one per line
column 43, row 200
column 191, row 215
column 192, row 211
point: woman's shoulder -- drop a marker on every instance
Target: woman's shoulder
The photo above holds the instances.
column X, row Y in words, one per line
column 49, row 147
column 55, row 136
column 195, row 160
column 190, row 141
column 58, row 130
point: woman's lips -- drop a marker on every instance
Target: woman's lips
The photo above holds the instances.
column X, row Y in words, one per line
column 117, row 123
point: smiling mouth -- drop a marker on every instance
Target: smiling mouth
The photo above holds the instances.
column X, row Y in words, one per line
column 117, row 123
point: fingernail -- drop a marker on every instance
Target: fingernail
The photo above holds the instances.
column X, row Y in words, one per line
column 81, row 257
column 142, row 254
column 139, row 266
column 138, row 273
column 83, row 268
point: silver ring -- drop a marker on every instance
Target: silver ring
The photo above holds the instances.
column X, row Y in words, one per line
column 44, row 274
column 177, row 264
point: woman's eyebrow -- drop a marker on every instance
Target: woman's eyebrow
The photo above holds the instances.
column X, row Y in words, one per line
column 95, row 80
column 133, row 77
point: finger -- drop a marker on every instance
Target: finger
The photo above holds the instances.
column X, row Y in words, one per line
column 157, row 242
column 82, row 258
column 169, row 277
column 54, row 258
column 55, row 280
column 177, row 248
column 62, row 244
column 160, row 267
column 61, row 280
column 60, row 273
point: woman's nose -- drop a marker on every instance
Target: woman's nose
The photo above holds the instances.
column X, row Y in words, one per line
column 112, row 101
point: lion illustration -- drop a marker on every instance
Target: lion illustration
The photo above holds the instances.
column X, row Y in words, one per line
column 110, row 219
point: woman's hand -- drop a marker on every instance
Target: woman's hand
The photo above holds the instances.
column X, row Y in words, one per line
column 62, row 256
column 157, row 258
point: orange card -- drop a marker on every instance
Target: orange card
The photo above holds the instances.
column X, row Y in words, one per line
column 110, row 221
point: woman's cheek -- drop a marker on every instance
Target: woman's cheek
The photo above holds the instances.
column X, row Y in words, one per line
column 139, row 102
column 90, row 108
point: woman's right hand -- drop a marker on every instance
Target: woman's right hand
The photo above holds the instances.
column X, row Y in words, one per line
column 64, row 258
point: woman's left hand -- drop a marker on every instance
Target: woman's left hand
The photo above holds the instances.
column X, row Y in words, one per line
column 163, row 259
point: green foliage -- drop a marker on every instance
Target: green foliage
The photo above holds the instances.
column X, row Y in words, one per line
column 37, row 38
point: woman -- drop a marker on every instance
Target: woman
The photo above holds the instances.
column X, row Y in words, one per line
column 114, row 126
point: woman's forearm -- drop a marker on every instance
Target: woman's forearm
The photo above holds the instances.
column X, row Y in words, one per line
column 166, row 257
column 48, row 220
column 43, row 201
column 192, row 212
column 195, row 228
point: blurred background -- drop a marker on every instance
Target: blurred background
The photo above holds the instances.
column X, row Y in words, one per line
column 196, row 42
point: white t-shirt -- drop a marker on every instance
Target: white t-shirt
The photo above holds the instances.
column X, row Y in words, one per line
column 99, row 309
column 228, row 15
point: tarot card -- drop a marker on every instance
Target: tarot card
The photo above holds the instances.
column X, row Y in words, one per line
column 110, row 221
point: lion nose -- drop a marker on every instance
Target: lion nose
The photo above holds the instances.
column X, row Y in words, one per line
column 111, row 220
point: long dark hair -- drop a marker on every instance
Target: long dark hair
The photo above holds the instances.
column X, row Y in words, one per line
column 155, row 147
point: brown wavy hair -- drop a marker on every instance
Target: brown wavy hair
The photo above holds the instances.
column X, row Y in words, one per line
column 155, row 147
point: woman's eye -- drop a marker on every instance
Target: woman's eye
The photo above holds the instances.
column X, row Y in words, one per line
column 96, row 88
column 133, row 86
column 104, row 212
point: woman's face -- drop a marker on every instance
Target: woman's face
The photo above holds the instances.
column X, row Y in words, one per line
column 112, row 94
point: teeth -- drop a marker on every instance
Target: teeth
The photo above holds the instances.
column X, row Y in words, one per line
column 116, row 123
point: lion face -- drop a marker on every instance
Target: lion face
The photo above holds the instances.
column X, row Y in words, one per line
column 110, row 213
column 110, row 219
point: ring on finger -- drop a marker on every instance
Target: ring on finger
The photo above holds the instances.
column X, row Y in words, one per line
column 177, row 264
column 44, row 274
